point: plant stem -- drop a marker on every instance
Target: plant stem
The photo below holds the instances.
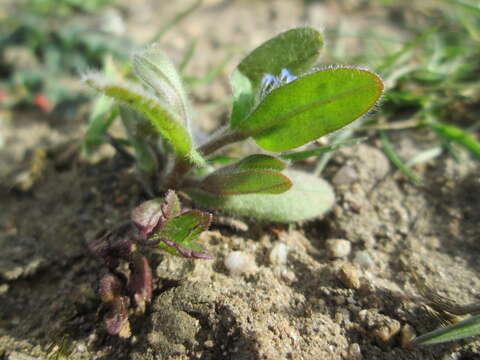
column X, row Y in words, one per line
column 225, row 137
column 175, row 178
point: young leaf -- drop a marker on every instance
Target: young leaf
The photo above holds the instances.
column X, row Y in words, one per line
column 116, row 319
column 296, row 49
column 263, row 181
column 260, row 161
column 162, row 117
column 177, row 236
column 99, row 121
column 243, row 98
column 309, row 197
column 156, row 69
column 147, row 216
column 140, row 280
column 139, row 130
column 465, row 328
column 172, row 206
column 311, row 106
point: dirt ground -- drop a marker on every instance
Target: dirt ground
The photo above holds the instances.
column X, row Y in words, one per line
column 308, row 305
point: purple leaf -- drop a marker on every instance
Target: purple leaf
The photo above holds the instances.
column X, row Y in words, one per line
column 148, row 215
column 171, row 207
column 140, row 281
column 112, row 246
column 110, row 287
column 116, row 319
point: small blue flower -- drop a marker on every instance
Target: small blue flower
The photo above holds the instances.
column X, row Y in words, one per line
column 271, row 82
column 285, row 76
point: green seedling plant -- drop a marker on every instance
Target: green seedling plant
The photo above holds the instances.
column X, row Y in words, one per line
column 281, row 100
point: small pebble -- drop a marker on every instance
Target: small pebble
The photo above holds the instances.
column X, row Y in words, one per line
column 349, row 276
column 363, row 259
column 384, row 333
column 238, row 262
column 407, row 334
column 3, row 289
column 278, row 254
column 19, row 356
column 354, row 352
column 345, row 176
column 338, row 248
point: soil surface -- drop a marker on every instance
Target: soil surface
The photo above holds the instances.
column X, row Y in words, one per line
column 345, row 288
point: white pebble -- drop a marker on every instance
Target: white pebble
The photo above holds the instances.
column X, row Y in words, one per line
column 278, row 254
column 238, row 262
column 363, row 259
column 338, row 248
column 345, row 176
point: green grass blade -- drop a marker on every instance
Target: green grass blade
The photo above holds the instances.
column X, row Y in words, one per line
column 302, row 155
column 463, row 329
column 174, row 21
column 336, row 138
column 188, row 55
column 396, row 160
column 210, row 76
column 467, row 5
column 390, row 60
column 458, row 136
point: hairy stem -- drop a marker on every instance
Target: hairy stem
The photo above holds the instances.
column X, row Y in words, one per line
column 223, row 138
column 182, row 166
column 175, row 177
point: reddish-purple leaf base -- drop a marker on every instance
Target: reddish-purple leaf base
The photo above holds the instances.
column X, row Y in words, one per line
column 110, row 287
column 113, row 246
column 116, row 319
column 140, row 280
column 147, row 216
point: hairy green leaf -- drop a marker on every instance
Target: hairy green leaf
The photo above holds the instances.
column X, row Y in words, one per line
column 260, row 161
column 139, row 131
column 309, row 197
column 248, row 181
column 156, row 69
column 162, row 117
column 178, row 235
column 465, row 328
column 243, row 98
column 221, row 159
column 311, row 106
column 296, row 49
